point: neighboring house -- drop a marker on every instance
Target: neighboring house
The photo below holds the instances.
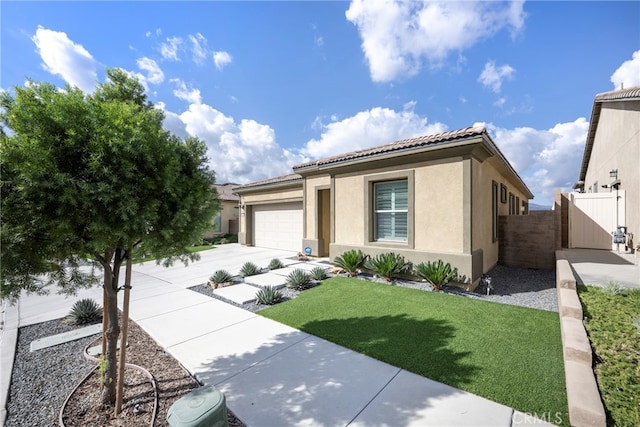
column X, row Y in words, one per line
column 611, row 161
column 226, row 221
column 427, row 198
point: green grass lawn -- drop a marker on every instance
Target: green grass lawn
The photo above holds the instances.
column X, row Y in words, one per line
column 616, row 343
column 509, row 354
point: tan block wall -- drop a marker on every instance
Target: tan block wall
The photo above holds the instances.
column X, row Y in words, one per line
column 528, row 241
column 617, row 146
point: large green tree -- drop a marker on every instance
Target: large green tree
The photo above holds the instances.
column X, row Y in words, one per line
column 95, row 178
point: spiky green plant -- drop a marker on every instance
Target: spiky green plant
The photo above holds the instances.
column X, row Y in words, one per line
column 318, row 273
column 249, row 269
column 351, row 261
column 220, row 276
column 269, row 295
column 387, row 265
column 84, row 311
column 275, row 264
column 298, row 279
column 437, row 273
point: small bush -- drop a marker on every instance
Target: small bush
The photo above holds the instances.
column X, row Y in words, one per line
column 318, row 273
column 220, row 276
column 387, row 265
column 437, row 273
column 84, row 311
column 298, row 279
column 275, row 264
column 351, row 261
column 613, row 288
column 269, row 295
column 249, row 269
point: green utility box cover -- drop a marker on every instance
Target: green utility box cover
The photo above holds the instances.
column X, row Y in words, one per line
column 203, row 407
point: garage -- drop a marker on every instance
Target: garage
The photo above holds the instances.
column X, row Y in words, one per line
column 278, row 226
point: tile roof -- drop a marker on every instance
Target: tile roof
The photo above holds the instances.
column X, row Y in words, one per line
column 225, row 192
column 404, row 144
column 293, row 177
column 631, row 93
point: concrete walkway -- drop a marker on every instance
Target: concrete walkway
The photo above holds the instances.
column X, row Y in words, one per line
column 599, row 267
column 271, row 374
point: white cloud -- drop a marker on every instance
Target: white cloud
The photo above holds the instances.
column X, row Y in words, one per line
column 221, row 59
column 200, row 49
column 398, row 36
column 238, row 152
column 169, row 49
column 154, row 73
column 545, row 159
column 369, row 128
column 492, row 77
column 319, row 41
column 63, row 57
column 500, row 102
column 181, row 91
column 628, row 73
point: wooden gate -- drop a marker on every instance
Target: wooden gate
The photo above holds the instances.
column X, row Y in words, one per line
column 592, row 218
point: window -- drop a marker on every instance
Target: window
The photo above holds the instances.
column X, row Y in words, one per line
column 494, row 210
column 503, row 193
column 512, row 201
column 390, row 210
column 517, row 206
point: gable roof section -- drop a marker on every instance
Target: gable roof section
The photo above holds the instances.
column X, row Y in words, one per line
column 277, row 181
column 631, row 94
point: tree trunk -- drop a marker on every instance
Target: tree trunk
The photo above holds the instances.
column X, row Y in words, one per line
column 113, row 330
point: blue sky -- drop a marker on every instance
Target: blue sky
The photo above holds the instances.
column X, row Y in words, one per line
column 271, row 84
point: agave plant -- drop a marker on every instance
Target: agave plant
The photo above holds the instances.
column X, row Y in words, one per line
column 84, row 311
column 387, row 265
column 249, row 269
column 318, row 273
column 351, row 261
column 298, row 279
column 275, row 264
column 269, row 295
column 437, row 273
column 220, row 276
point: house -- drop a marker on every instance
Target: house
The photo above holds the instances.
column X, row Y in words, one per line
column 226, row 221
column 426, row 198
column 611, row 165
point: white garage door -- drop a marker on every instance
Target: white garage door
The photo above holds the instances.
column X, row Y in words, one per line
column 278, row 226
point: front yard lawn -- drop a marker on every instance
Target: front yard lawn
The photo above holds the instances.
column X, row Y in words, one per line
column 613, row 324
column 509, row 354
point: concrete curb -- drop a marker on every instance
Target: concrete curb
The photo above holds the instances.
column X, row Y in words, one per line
column 8, row 342
column 583, row 397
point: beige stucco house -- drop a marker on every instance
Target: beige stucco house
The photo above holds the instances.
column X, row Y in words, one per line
column 227, row 220
column 427, row 198
column 613, row 144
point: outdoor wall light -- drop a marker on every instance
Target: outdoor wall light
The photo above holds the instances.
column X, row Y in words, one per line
column 613, row 173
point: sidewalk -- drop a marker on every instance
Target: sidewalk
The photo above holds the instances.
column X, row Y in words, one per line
column 599, row 267
column 272, row 374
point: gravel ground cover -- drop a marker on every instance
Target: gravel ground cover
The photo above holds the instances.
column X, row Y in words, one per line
column 42, row 380
column 514, row 286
